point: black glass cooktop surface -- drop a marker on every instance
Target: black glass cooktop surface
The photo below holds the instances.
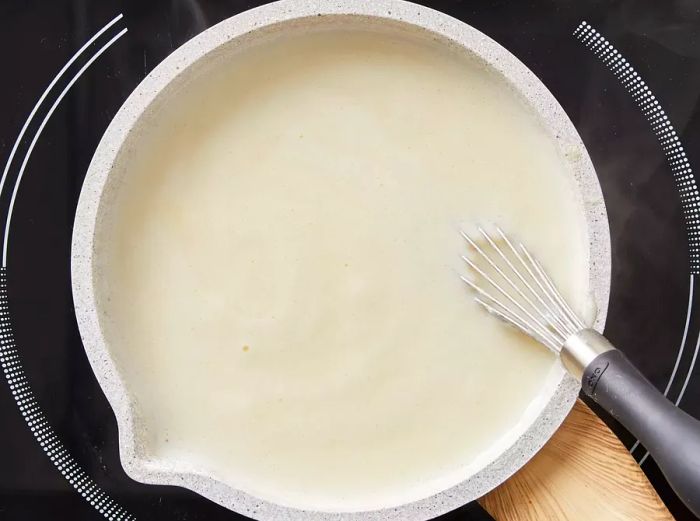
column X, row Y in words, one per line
column 629, row 79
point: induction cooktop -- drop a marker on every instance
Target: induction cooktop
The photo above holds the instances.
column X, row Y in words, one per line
column 627, row 72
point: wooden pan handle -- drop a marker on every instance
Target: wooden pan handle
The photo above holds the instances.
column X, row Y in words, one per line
column 584, row 472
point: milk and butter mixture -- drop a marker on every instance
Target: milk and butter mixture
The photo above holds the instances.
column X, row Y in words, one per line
column 279, row 279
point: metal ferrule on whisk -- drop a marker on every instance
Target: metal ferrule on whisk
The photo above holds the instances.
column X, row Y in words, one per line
column 581, row 348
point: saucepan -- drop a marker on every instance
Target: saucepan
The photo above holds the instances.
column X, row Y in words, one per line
column 106, row 176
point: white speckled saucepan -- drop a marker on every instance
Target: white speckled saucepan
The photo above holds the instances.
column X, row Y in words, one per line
column 238, row 32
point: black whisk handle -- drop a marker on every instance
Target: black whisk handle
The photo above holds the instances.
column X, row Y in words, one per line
column 671, row 436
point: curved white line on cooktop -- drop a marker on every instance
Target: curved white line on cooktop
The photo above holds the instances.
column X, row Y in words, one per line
column 9, row 357
column 38, row 133
column 677, row 160
column 685, row 334
column 46, row 93
column 680, row 353
column 685, row 385
column 690, row 371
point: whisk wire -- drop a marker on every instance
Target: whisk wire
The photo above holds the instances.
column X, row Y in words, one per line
column 564, row 323
column 543, row 313
column 558, row 325
column 539, row 326
column 557, row 295
column 554, row 294
column 500, row 272
column 517, row 322
column 509, row 315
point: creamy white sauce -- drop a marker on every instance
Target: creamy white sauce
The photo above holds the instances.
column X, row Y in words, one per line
column 280, row 278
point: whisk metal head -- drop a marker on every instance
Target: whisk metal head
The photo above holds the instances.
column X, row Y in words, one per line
column 520, row 291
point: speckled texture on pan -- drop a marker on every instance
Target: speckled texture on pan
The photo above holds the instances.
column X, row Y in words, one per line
column 237, row 31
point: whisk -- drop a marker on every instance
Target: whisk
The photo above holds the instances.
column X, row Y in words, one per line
column 513, row 286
